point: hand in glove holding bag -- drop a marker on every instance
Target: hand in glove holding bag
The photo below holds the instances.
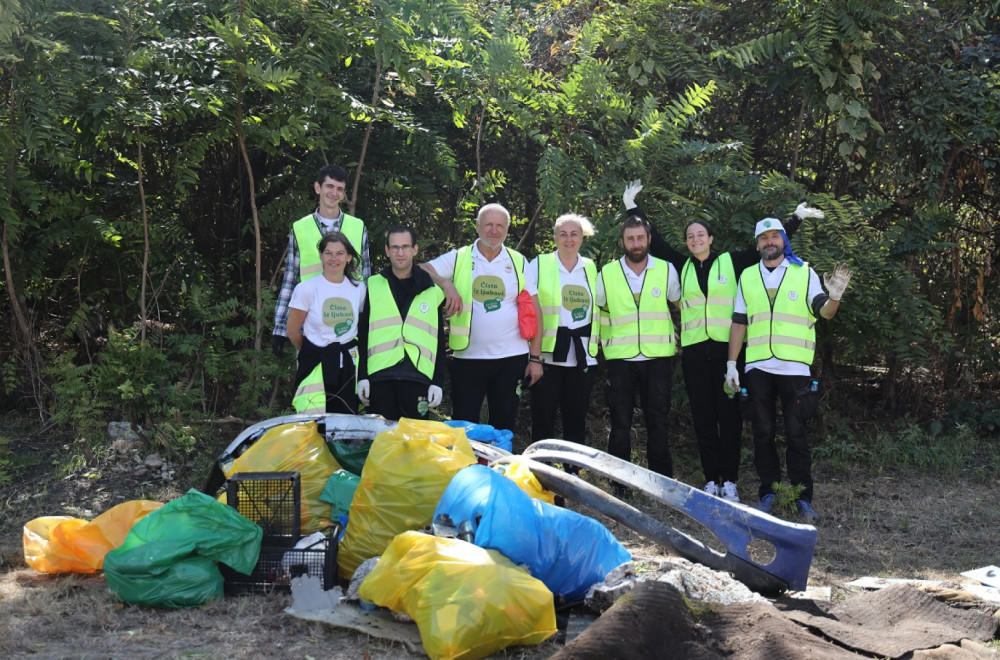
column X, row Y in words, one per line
column 732, row 376
column 631, row 190
column 434, row 396
column 364, row 390
column 837, row 283
column 802, row 212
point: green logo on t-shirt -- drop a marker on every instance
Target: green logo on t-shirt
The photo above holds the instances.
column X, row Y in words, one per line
column 339, row 315
column 489, row 290
column 577, row 300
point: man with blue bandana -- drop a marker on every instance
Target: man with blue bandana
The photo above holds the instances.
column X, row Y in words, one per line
column 777, row 305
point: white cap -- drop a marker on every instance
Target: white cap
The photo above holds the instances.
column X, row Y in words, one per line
column 768, row 224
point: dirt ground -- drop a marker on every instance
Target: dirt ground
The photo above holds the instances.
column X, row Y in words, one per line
column 874, row 523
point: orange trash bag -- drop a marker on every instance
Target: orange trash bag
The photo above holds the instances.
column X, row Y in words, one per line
column 61, row 544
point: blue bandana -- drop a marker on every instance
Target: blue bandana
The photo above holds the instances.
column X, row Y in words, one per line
column 791, row 256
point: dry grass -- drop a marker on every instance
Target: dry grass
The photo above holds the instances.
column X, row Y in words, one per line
column 899, row 524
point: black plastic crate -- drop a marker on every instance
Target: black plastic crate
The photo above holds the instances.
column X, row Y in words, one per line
column 273, row 500
column 277, row 566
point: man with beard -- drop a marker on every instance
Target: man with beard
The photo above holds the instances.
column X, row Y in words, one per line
column 638, row 337
column 777, row 305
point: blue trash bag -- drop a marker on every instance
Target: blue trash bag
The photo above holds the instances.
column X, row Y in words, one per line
column 502, row 438
column 566, row 550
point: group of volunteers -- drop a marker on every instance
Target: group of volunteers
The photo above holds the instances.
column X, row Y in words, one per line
column 746, row 337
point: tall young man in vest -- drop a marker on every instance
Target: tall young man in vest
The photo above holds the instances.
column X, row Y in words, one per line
column 637, row 334
column 401, row 335
column 777, row 305
column 302, row 260
column 490, row 357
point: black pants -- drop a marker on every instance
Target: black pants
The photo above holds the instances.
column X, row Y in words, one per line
column 652, row 380
column 566, row 389
column 496, row 381
column 339, row 381
column 764, row 390
column 398, row 398
column 718, row 425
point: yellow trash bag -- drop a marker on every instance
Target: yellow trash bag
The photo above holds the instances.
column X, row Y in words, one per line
column 519, row 472
column 61, row 544
column 405, row 475
column 468, row 602
column 297, row 447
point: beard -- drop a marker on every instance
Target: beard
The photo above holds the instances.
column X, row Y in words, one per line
column 637, row 256
column 771, row 252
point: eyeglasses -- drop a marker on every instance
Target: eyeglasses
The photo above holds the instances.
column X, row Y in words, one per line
column 399, row 248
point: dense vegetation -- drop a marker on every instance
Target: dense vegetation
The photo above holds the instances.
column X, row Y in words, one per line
column 155, row 153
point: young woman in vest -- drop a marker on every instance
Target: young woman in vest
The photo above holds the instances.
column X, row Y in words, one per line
column 562, row 354
column 708, row 292
column 323, row 327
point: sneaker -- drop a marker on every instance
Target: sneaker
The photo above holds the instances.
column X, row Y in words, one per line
column 766, row 503
column 729, row 492
column 712, row 489
column 806, row 510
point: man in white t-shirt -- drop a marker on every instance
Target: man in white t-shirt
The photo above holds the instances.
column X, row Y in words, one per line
column 777, row 305
column 489, row 355
column 638, row 339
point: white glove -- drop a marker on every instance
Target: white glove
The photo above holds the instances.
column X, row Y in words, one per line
column 364, row 390
column 434, row 395
column 837, row 283
column 732, row 376
column 631, row 190
column 802, row 212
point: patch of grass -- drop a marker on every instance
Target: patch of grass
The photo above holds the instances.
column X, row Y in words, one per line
column 785, row 496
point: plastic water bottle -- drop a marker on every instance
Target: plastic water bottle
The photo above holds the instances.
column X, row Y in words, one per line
column 743, row 394
column 814, row 386
column 730, row 392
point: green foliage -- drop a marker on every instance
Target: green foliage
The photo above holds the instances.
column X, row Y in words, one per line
column 785, row 496
column 881, row 113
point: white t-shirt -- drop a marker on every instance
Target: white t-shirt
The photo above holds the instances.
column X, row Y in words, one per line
column 635, row 281
column 494, row 331
column 577, row 303
column 332, row 309
column 772, row 280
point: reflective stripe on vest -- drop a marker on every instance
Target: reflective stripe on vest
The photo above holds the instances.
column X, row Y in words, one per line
column 310, row 397
column 390, row 337
column 307, row 237
column 629, row 329
column 458, row 338
column 550, row 300
column 708, row 317
column 786, row 328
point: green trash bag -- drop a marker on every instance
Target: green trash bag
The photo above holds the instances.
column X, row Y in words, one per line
column 170, row 559
column 339, row 491
column 351, row 456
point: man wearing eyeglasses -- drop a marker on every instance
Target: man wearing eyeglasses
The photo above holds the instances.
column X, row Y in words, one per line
column 402, row 345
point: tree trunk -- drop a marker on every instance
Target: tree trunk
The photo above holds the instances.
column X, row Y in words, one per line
column 364, row 143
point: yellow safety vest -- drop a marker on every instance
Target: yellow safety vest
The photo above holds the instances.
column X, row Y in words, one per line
column 786, row 328
column 307, row 236
column 461, row 323
column 390, row 337
column 310, row 397
column 550, row 300
column 708, row 317
column 627, row 329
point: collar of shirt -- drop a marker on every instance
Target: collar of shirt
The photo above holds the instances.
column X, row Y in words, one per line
column 650, row 264
column 320, row 219
column 570, row 271
column 476, row 254
column 765, row 269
